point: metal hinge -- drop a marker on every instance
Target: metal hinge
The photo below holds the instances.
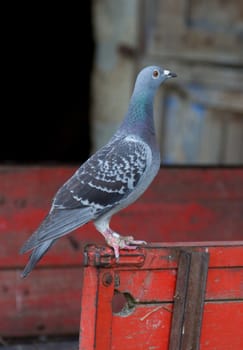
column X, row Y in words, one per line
column 103, row 256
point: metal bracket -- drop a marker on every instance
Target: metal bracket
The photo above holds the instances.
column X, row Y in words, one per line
column 101, row 256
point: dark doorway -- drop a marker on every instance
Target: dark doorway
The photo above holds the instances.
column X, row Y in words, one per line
column 47, row 119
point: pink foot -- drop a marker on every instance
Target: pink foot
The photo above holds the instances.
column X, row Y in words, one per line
column 117, row 242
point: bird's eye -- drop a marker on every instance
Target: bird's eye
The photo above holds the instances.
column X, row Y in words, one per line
column 155, row 74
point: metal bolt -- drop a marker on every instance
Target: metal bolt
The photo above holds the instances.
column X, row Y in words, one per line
column 107, row 279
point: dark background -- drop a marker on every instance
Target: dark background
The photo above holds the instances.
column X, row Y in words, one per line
column 46, row 91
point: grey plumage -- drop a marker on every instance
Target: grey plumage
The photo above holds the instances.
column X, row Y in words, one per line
column 110, row 180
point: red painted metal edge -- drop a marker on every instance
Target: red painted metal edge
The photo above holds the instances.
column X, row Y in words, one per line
column 89, row 309
column 196, row 244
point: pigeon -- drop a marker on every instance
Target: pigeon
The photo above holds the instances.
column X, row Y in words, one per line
column 110, row 180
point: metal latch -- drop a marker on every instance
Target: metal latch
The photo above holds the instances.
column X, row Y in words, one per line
column 101, row 256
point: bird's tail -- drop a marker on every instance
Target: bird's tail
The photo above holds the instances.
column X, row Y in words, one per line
column 36, row 255
column 57, row 224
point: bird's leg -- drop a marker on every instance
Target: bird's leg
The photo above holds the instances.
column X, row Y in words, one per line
column 116, row 241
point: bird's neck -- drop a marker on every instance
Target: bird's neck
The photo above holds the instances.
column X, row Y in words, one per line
column 139, row 117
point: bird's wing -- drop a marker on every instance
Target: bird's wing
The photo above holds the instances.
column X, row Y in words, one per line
column 101, row 183
column 107, row 177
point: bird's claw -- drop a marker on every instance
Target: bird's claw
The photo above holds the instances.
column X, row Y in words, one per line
column 117, row 242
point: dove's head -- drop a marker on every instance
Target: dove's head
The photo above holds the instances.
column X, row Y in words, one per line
column 140, row 109
column 153, row 76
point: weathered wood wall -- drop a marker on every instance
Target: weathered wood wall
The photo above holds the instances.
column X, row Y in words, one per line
column 183, row 204
column 115, row 33
column 199, row 115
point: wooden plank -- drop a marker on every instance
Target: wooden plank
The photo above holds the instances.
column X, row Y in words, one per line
column 26, row 187
column 212, row 76
column 183, row 184
column 222, row 284
column 148, row 280
column 222, row 326
column 166, row 256
column 47, row 303
column 198, row 198
column 225, row 256
column 148, row 327
column 217, row 100
column 185, row 221
column 179, row 33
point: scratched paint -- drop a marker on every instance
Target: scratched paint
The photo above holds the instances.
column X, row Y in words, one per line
column 153, row 323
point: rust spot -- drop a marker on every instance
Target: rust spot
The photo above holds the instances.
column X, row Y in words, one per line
column 107, row 279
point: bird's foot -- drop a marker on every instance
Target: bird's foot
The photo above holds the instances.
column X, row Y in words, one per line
column 118, row 242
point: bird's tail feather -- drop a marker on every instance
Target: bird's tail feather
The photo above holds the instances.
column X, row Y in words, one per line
column 36, row 256
column 56, row 224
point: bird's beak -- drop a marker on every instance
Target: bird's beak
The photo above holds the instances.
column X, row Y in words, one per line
column 169, row 74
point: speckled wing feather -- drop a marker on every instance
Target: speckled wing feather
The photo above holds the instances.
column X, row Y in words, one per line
column 106, row 178
column 104, row 181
